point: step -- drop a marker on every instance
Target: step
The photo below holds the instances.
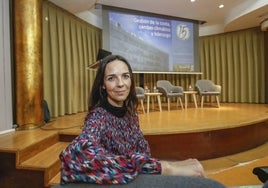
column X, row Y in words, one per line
column 55, row 180
column 20, row 141
column 69, row 135
column 218, row 164
column 36, row 147
column 46, row 160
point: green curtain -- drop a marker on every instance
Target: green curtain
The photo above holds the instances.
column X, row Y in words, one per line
column 236, row 61
column 70, row 45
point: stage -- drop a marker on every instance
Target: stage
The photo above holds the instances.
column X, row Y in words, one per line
column 202, row 119
column 203, row 133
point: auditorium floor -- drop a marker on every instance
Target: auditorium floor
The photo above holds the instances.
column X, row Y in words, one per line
column 237, row 169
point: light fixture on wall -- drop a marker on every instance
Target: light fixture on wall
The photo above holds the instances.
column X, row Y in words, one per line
column 221, row 5
column 263, row 21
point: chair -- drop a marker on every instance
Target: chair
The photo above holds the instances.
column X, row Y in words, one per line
column 208, row 88
column 140, row 96
column 168, row 90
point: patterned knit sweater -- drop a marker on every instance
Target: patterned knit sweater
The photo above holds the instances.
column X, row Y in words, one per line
column 110, row 150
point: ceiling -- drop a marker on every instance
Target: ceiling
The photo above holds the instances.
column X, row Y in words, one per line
column 236, row 14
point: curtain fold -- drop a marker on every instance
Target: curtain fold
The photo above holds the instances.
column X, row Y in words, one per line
column 236, row 61
column 70, row 45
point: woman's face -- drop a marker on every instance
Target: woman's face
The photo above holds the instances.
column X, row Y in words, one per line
column 117, row 82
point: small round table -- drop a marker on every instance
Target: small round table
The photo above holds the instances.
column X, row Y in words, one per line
column 193, row 93
column 148, row 95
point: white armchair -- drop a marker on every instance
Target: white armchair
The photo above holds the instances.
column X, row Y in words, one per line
column 208, row 88
column 168, row 90
column 140, row 95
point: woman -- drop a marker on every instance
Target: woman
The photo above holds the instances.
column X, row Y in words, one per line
column 111, row 148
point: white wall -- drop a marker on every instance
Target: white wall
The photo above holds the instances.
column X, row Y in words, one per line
column 6, row 119
column 93, row 17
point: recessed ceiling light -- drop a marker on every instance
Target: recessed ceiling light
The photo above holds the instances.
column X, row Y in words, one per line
column 221, row 5
column 192, row 0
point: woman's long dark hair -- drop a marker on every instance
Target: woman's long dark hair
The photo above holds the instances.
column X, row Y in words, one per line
column 98, row 94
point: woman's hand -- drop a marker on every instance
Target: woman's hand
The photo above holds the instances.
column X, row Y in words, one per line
column 189, row 167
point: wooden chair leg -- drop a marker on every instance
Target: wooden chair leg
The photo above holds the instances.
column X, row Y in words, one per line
column 197, row 99
column 218, row 101
column 168, row 104
column 202, row 101
column 142, row 106
column 181, row 102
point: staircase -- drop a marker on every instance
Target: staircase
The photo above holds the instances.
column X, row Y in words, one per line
column 33, row 161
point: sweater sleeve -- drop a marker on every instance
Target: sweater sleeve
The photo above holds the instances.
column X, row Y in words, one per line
column 87, row 160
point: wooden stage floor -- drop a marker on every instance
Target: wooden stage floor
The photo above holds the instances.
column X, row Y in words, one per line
column 229, row 115
column 202, row 119
column 176, row 121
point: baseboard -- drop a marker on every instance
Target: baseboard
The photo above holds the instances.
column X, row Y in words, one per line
column 6, row 131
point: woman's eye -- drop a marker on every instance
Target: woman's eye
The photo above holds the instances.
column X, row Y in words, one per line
column 126, row 76
column 110, row 78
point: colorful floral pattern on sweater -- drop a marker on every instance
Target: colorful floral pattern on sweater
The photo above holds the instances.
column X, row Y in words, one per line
column 110, row 150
